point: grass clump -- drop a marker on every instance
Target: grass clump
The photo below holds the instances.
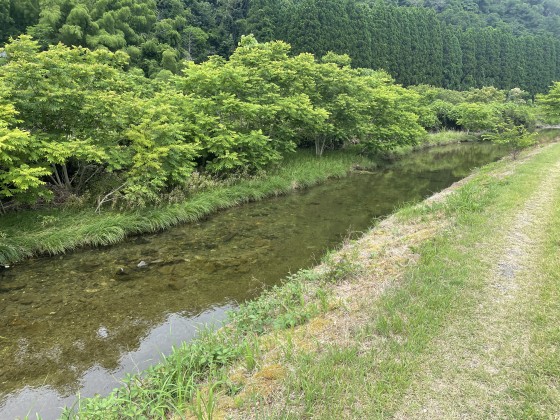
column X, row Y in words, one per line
column 51, row 231
column 434, row 139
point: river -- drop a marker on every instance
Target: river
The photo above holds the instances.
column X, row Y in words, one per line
column 80, row 322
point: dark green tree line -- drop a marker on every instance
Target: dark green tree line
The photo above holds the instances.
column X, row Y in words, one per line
column 416, row 46
column 456, row 44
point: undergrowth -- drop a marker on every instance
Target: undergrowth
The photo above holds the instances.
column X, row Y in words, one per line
column 173, row 386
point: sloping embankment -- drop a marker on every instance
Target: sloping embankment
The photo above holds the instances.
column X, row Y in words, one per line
column 436, row 312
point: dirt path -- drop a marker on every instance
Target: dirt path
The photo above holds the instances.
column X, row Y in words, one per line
column 437, row 320
column 475, row 362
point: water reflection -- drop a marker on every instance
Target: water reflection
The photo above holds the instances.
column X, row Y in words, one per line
column 79, row 322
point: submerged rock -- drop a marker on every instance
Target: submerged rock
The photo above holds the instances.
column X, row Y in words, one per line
column 176, row 285
column 121, row 272
column 142, row 264
column 8, row 289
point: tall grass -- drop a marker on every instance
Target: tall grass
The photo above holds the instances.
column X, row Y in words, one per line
column 434, row 139
column 55, row 231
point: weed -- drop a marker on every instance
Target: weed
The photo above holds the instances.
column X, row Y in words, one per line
column 323, row 297
column 251, row 354
column 205, row 405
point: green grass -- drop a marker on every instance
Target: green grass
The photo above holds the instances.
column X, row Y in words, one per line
column 440, row 138
column 447, row 136
column 53, row 231
column 549, row 134
column 537, row 388
column 369, row 377
column 445, row 285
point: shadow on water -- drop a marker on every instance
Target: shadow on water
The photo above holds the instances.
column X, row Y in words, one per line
column 78, row 323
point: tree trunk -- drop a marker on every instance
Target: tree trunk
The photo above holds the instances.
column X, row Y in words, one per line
column 320, row 142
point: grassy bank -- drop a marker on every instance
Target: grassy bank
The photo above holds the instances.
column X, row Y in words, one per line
column 56, row 230
column 52, row 231
column 440, row 138
column 428, row 315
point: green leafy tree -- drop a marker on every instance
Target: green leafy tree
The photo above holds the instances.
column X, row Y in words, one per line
column 21, row 174
column 515, row 137
column 551, row 102
column 477, row 116
column 78, row 105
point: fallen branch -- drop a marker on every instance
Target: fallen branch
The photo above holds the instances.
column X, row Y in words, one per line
column 106, row 199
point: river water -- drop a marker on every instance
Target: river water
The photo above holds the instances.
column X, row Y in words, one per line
column 76, row 324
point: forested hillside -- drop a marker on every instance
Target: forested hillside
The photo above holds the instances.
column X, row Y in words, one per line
column 456, row 44
column 416, row 45
column 520, row 16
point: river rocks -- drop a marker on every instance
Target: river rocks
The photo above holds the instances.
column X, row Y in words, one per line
column 229, row 237
column 142, row 264
column 26, row 300
column 173, row 261
column 121, row 272
column 90, row 267
column 176, row 284
column 56, row 300
column 225, row 263
column 141, row 241
column 167, row 270
column 8, row 289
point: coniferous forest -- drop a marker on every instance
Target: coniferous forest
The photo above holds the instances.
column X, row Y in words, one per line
column 456, row 44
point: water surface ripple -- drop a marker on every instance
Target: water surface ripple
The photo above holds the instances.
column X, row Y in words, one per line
column 77, row 323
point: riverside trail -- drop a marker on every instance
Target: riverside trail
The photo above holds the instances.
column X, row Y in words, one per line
column 452, row 311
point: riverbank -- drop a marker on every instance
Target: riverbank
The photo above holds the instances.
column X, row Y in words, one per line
column 57, row 230
column 428, row 313
column 54, row 231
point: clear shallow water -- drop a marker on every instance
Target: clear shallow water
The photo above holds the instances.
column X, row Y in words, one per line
column 75, row 323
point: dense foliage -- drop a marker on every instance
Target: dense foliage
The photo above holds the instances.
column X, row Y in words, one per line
column 457, row 44
column 551, row 103
column 75, row 123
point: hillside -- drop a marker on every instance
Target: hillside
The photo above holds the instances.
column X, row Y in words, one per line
column 453, row 44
